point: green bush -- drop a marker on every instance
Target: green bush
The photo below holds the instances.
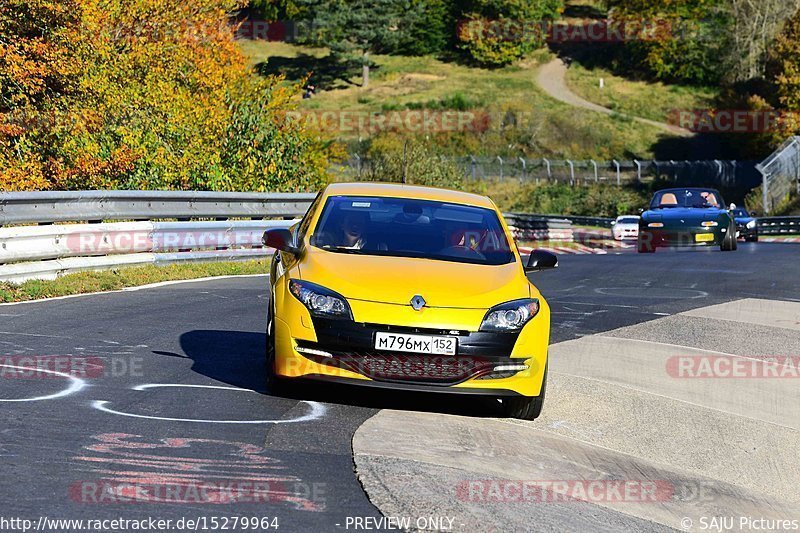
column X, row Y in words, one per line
column 495, row 33
column 592, row 200
column 391, row 157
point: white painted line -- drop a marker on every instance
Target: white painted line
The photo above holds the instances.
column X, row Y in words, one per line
column 317, row 409
column 76, row 384
column 135, row 289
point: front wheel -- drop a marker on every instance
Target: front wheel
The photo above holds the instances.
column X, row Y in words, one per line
column 729, row 243
column 525, row 408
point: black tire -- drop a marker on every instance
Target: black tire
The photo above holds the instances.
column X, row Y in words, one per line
column 524, row 407
column 275, row 384
column 730, row 243
column 752, row 239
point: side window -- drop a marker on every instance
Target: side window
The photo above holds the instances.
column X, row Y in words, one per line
column 304, row 225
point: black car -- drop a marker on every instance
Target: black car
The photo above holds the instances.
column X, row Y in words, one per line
column 746, row 225
column 687, row 217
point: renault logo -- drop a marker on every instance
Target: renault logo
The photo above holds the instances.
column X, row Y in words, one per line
column 418, row 302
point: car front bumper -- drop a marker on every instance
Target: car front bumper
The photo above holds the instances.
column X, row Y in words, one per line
column 343, row 351
column 681, row 237
column 747, row 233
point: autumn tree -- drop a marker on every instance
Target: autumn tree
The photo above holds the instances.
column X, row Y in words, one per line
column 142, row 94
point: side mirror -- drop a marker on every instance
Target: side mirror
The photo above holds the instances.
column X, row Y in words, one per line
column 280, row 239
column 641, row 210
column 540, row 260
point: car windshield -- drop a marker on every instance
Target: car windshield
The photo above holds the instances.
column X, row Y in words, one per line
column 402, row 227
column 693, row 198
column 628, row 220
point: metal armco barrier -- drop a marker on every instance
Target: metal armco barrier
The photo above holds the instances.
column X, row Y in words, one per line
column 539, row 228
column 74, row 206
column 779, row 226
column 162, row 230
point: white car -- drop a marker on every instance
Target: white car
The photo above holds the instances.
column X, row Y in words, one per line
column 625, row 228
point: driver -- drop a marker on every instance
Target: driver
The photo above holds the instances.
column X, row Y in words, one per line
column 352, row 228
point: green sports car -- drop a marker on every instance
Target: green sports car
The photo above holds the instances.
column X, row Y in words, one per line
column 687, row 217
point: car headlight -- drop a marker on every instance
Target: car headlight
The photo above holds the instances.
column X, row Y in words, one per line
column 511, row 316
column 752, row 224
column 655, row 225
column 319, row 301
column 710, row 224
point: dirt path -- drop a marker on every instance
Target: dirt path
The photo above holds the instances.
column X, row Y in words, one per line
column 552, row 79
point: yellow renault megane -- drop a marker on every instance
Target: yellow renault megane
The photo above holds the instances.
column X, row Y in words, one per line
column 408, row 287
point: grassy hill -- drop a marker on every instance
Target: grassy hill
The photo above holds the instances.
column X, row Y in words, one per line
column 544, row 127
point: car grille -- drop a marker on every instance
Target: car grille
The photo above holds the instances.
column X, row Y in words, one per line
column 408, row 368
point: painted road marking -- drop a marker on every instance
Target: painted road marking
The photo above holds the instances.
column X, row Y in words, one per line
column 76, row 384
column 317, row 409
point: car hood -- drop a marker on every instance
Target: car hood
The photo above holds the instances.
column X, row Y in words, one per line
column 683, row 215
column 396, row 280
column 744, row 220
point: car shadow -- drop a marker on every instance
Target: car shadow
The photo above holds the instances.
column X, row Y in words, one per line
column 237, row 358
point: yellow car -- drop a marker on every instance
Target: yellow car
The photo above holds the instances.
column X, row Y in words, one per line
column 408, row 287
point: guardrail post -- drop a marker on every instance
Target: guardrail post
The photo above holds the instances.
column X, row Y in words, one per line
column 549, row 170
column 358, row 164
column 594, row 164
column 638, row 169
column 524, row 168
column 619, row 178
column 571, row 173
column 502, row 174
column 674, row 172
column 764, row 189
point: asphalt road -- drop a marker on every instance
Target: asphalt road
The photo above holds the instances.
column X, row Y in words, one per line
column 165, row 365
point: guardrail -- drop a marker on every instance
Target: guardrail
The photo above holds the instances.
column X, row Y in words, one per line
column 164, row 229
column 73, row 206
column 779, row 226
column 119, row 228
column 539, row 228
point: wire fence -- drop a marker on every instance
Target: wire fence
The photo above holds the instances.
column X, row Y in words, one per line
column 781, row 174
column 725, row 173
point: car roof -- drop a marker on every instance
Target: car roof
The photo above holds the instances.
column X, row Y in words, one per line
column 399, row 190
column 676, row 189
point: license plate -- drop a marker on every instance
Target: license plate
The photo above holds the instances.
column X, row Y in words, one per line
column 704, row 237
column 400, row 342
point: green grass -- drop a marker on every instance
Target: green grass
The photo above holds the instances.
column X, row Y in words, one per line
column 544, row 127
column 89, row 282
column 651, row 100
